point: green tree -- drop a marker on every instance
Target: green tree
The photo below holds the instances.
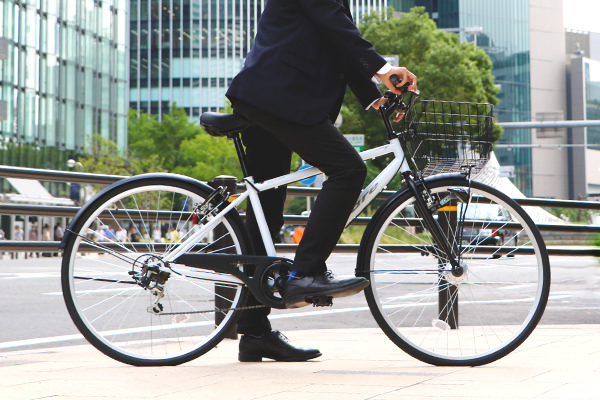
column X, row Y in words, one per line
column 180, row 146
column 174, row 144
column 103, row 157
column 212, row 156
column 161, row 139
column 446, row 69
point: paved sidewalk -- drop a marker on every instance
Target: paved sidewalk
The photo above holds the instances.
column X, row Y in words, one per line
column 556, row 362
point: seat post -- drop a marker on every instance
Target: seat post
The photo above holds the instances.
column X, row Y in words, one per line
column 239, row 148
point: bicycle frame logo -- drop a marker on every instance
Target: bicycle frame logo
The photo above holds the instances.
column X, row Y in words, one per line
column 365, row 194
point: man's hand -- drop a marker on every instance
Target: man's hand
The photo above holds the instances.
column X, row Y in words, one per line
column 404, row 75
column 381, row 101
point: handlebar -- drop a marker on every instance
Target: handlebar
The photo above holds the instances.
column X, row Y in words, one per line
column 396, row 102
column 396, row 81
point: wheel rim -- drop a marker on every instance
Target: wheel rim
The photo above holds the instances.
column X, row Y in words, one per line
column 165, row 319
column 499, row 299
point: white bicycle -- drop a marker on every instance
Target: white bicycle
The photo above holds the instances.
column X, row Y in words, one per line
column 459, row 272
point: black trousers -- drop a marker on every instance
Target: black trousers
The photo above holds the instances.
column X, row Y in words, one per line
column 269, row 145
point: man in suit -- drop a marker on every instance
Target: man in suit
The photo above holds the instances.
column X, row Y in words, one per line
column 291, row 88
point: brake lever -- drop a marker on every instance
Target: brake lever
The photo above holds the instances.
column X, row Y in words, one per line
column 395, row 101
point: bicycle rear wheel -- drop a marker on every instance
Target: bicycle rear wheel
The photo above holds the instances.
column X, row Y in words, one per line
column 471, row 319
column 122, row 295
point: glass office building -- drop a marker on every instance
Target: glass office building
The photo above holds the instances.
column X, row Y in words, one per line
column 592, row 137
column 505, row 38
column 592, row 99
column 64, row 78
column 584, row 103
column 188, row 51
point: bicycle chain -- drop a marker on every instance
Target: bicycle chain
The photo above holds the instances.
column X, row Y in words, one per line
column 223, row 310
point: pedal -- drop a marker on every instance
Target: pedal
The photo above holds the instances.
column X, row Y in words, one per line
column 322, row 301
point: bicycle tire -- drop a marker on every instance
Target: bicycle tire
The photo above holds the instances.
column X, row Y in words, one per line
column 446, row 320
column 124, row 318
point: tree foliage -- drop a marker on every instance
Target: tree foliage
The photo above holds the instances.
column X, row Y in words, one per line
column 445, row 68
column 212, row 157
column 102, row 157
column 174, row 144
column 163, row 139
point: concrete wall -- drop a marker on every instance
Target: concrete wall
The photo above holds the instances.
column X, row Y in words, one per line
column 548, row 97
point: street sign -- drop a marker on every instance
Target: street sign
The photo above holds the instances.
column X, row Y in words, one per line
column 393, row 60
column 308, row 181
column 357, row 141
column 507, row 171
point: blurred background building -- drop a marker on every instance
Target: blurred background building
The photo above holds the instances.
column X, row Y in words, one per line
column 583, row 102
column 544, row 74
column 519, row 36
column 73, row 68
column 187, row 52
column 63, row 77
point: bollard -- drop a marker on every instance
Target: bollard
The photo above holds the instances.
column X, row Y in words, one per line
column 223, row 293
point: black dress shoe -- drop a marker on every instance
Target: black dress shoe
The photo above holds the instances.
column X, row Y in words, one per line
column 273, row 345
column 300, row 291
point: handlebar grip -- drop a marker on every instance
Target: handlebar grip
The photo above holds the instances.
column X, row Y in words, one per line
column 396, row 81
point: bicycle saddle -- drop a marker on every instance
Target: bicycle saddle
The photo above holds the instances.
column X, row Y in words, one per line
column 218, row 124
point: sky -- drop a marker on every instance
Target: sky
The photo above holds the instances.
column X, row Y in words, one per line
column 583, row 15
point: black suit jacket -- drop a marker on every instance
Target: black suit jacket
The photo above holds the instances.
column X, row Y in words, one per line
column 304, row 54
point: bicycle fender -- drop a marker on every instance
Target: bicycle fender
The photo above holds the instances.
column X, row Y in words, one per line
column 123, row 184
column 405, row 188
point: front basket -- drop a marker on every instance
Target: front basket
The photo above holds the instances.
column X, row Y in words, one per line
column 447, row 136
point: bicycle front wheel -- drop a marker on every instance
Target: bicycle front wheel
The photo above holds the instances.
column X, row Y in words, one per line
column 124, row 297
column 447, row 318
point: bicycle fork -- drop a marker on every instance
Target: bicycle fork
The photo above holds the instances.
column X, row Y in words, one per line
column 450, row 255
column 449, row 250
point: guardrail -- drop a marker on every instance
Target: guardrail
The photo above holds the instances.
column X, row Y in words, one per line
column 87, row 178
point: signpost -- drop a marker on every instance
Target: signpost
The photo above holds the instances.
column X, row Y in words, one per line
column 507, row 171
column 357, row 141
column 310, row 180
column 393, row 60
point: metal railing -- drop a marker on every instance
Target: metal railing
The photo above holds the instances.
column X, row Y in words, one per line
column 87, row 178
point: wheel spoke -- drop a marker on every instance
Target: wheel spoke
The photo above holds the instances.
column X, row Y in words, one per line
column 140, row 309
column 445, row 317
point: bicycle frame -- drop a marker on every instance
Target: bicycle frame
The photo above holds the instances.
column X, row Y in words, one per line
column 425, row 258
column 398, row 164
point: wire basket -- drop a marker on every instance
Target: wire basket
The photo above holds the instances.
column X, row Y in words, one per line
column 447, row 136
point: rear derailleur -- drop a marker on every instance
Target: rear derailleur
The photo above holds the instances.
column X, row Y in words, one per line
column 152, row 276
